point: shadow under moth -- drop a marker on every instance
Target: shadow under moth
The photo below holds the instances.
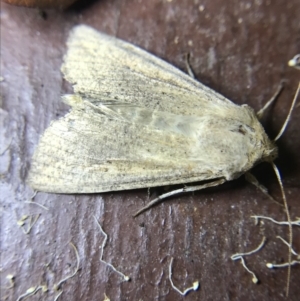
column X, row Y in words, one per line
column 138, row 122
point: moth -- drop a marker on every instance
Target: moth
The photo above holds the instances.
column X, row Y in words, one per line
column 136, row 122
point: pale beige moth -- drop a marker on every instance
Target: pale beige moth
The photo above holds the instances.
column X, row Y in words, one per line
column 136, row 122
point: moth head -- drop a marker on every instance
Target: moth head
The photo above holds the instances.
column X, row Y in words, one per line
column 263, row 149
column 266, row 148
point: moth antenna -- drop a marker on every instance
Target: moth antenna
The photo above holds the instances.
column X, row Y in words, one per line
column 290, row 224
column 261, row 112
column 289, row 114
column 282, row 190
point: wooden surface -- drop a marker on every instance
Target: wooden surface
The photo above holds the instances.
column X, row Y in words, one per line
column 238, row 48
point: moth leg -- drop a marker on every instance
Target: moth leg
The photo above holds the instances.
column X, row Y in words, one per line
column 261, row 112
column 181, row 190
column 252, row 179
column 188, row 66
